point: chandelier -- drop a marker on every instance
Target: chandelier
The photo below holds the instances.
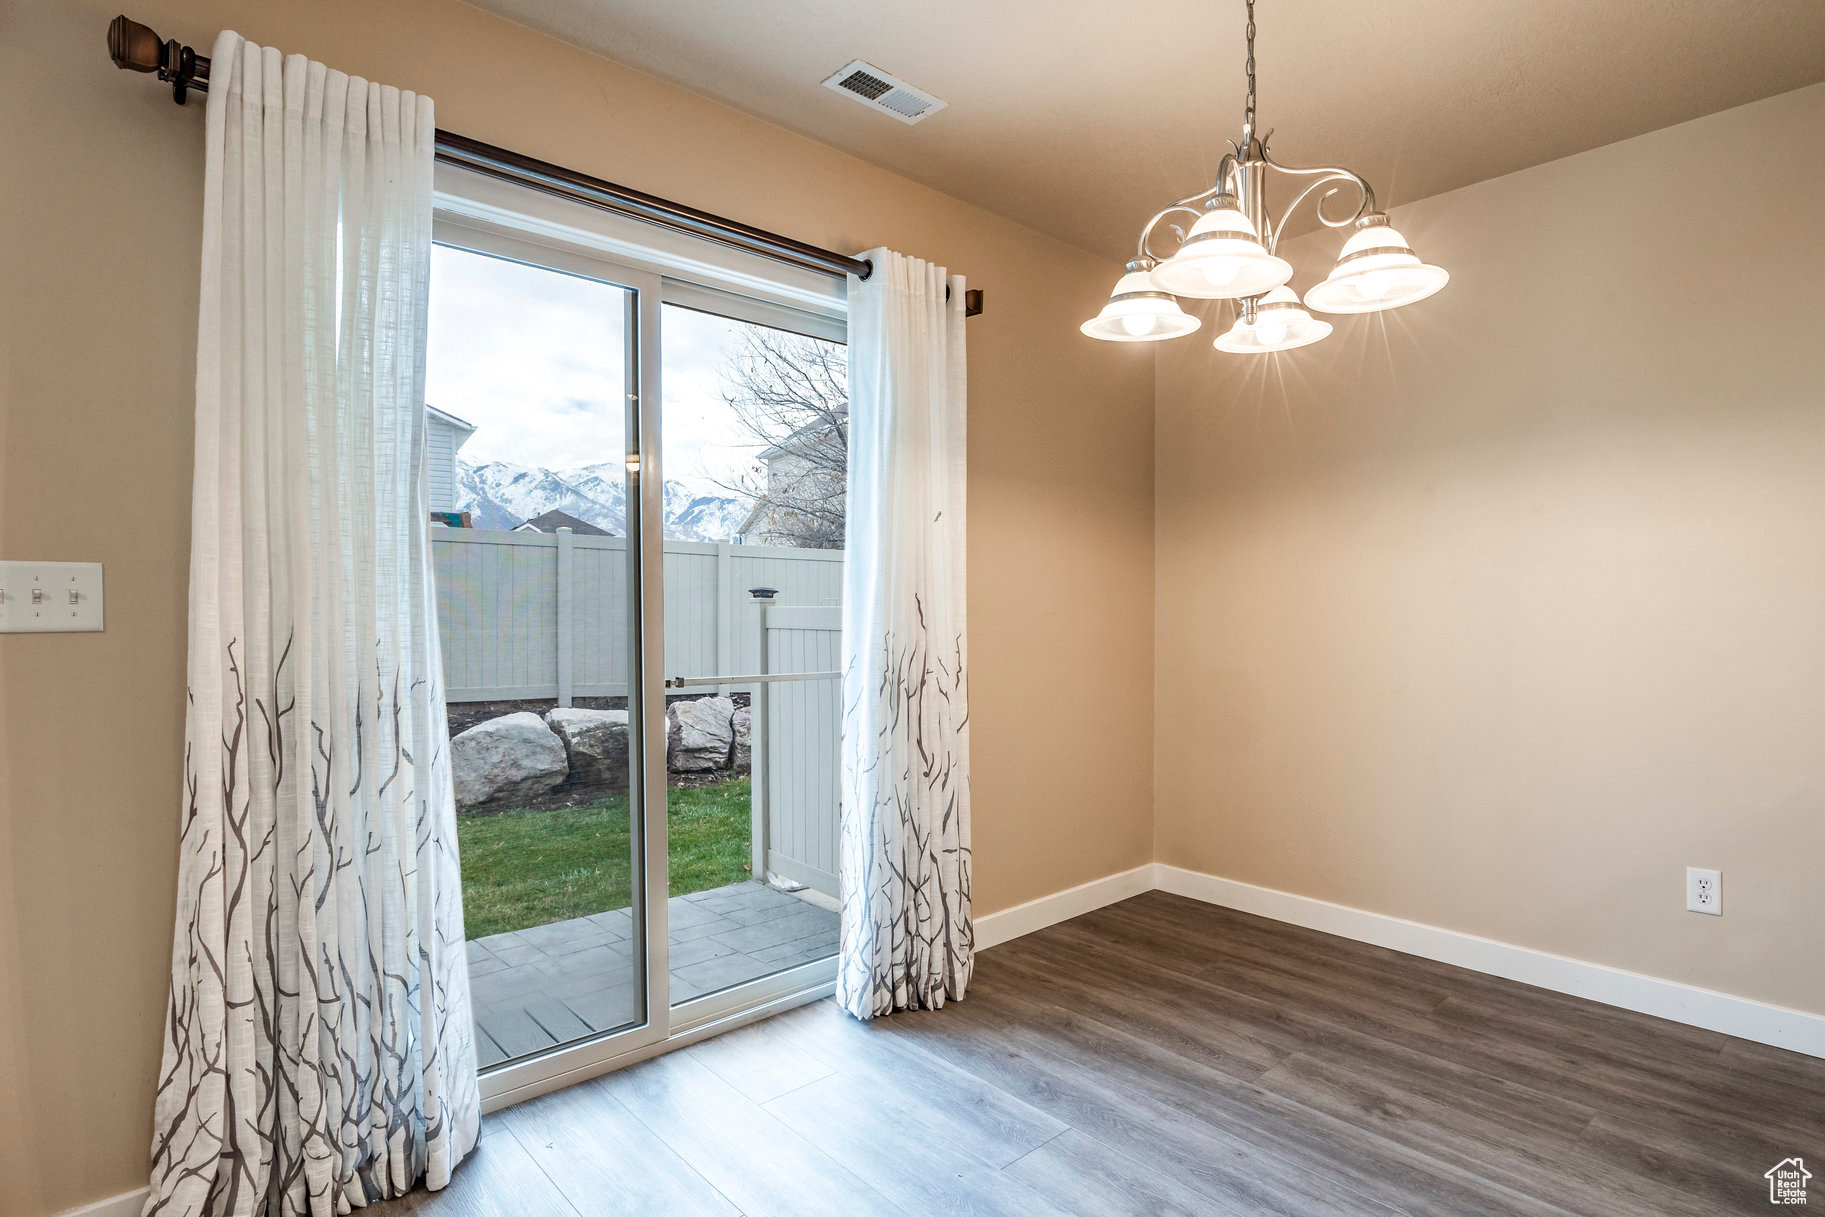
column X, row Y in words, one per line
column 1229, row 254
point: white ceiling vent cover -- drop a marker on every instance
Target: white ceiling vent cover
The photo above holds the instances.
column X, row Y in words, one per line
column 880, row 91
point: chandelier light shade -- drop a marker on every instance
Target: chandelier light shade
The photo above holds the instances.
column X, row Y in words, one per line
column 1230, row 252
column 1222, row 258
column 1375, row 271
column 1276, row 322
column 1138, row 311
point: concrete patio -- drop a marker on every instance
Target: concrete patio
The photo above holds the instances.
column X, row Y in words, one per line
column 533, row 988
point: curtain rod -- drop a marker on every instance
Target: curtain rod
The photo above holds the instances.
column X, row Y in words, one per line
column 138, row 48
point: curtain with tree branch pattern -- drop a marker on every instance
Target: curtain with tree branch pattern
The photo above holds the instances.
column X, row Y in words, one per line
column 907, row 940
column 318, row 1051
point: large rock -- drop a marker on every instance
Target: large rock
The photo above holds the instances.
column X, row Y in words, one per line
column 595, row 741
column 743, row 724
column 703, row 735
column 504, row 759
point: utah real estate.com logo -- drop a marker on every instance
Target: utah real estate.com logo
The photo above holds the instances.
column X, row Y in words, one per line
column 1787, row 1182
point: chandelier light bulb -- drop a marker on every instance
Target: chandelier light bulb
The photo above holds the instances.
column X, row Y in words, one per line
column 1377, row 284
column 1222, row 258
column 1278, row 323
column 1220, row 272
column 1138, row 311
column 1375, row 270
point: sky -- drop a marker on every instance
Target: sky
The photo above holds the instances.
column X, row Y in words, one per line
column 537, row 361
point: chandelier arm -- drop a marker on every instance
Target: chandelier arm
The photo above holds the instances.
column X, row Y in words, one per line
column 1334, row 177
column 1192, row 200
column 1270, row 229
column 1225, row 167
column 1335, row 185
column 1329, row 170
column 1183, row 205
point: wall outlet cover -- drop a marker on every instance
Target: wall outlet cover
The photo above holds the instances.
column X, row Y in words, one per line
column 1705, row 891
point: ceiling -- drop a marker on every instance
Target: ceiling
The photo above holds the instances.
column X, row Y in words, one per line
column 1082, row 117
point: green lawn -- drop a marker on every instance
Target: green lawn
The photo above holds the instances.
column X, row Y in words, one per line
column 525, row 868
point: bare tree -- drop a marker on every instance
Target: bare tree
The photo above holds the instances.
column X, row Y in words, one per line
column 790, row 395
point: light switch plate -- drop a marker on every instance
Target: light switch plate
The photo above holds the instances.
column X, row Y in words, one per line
column 50, row 597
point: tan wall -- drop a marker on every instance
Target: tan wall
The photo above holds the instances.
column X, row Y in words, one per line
column 1498, row 614
column 101, row 183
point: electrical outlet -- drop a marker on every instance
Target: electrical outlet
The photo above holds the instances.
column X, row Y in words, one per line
column 1704, row 891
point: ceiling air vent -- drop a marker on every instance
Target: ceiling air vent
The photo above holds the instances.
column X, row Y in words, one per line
column 879, row 91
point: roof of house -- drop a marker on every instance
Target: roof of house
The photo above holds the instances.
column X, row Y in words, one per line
column 554, row 519
column 463, row 425
column 785, row 446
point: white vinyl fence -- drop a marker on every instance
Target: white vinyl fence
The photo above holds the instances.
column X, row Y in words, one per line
column 537, row 616
column 796, row 726
column 532, row 615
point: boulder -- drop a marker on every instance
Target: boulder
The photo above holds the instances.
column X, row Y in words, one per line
column 595, row 743
column 743, row 724
column 503, row 759
column 703, row 735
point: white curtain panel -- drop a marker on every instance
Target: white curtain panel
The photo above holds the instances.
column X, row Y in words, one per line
column 318, row 1052
column 907, row 941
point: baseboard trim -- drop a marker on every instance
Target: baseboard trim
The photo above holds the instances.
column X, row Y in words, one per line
column 992, row 929
column 1742, row 1017
column 127, row 1204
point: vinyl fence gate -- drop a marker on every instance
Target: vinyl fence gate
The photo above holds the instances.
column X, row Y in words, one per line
column 797, row 724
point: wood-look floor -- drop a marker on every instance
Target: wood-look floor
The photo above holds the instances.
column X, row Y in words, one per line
column 1164, row 1057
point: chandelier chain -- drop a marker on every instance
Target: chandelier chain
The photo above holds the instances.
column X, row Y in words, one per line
column 1248, row 109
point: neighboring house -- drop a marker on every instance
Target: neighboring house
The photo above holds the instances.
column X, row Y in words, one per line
column 792, row 478
column 445, row 434
column 554, row 519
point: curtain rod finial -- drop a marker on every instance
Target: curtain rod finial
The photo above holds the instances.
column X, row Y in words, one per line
column 134, row 46
column 137, row 48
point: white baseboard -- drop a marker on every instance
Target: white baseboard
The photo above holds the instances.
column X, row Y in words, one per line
column 1794, row 1030
column 1742, row 1017
column 995, row 928
column 127, row 1204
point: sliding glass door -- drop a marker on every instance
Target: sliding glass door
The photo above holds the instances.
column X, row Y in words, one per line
column 532, row 395
column 637, row 503
column 755, row 428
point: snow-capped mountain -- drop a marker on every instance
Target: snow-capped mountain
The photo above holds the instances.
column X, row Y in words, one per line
column 502, row 495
